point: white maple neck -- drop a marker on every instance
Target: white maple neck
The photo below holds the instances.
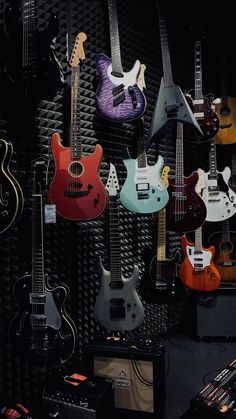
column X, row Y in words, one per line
column 179, row 172
column 166, row 62
column 198, row 71
column 198, row 241
column 117, row 69
column 75, row 136
column 161, row 235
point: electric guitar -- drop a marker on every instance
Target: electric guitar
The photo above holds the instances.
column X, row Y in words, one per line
column 41, row 333
column 206, row 117
column 32, row 67
column 118, row 96
column 118, row 306
column 171, row 103
column 219, row 198
column 225, row 107
column 185, row 209
column 198, row 271
column 225, row 255
column 160, row 283
column 76, row 188
column 11, row 196
column 232, row 180
column 143, row 190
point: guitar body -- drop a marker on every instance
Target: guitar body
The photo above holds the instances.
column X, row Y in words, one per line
column 185, row 210
column 11, row 196
column 232, row 182
column 225, row 256
column 76, row 188
column 41, row 73
column 227, row 118
column 50, row 349
column 160, row 283
column 113, row 101
column 118, row 309
column 206, row 118
column 143, row 190
column 171, row 104
column 197, row 271
column 220, row 200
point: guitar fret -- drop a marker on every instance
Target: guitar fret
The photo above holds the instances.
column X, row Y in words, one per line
column 179, row 173
column 198, row 71
column 168, row 79
column 114, row 38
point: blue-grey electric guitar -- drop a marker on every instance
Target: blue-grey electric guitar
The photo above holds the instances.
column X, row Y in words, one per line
column 143, row 190
column 171, row 103
column 118, row 306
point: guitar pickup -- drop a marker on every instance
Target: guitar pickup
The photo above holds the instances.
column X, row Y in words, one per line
column 198, row 265
column 171, row 111
column 76, row 194
column 142, row 187
column 37, row 320
column 213, row 200
column 119, row 99
column 143, row 195
column 118, row 89
column 37, row 298
column 213, row 189
column 199, row 114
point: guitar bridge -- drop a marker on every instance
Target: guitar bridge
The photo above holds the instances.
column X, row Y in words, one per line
column 118, row 99
column 75, row 194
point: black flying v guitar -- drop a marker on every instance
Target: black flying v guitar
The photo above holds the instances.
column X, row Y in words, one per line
column 171, row 102
column 41, row 333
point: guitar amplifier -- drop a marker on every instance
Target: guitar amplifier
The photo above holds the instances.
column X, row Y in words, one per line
column 68, row 398
column 138, row 372
column 214, row 314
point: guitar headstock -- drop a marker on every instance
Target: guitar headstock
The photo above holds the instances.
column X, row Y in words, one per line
column 39, row 167
column 78, row 53
column 164, row 176
column 141, row 79
column 112, row 185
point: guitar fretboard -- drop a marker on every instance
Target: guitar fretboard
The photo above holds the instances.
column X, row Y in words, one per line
column 198, row 71
column 114, row 39
column 213, row 161
column 168, row 79
column 198, row 240
column 225, row 231
column 75, row 137
column 161, row 235
column 142, row 156
column 37, row 247
column 115, row 249
column 28, row 20
column 179, row 172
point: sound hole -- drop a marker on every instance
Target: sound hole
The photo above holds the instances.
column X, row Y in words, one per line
column 76, row 169
column 227, row 247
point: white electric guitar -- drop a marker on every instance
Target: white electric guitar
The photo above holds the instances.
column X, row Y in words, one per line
column 219, row 198
column 118, row 306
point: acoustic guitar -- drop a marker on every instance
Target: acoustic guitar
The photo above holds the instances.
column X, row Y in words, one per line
column 76, row 188
column 225, row 255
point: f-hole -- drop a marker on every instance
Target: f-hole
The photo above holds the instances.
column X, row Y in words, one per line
column 76, row 169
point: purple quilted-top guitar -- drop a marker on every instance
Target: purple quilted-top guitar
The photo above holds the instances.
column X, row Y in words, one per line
column 119, row 96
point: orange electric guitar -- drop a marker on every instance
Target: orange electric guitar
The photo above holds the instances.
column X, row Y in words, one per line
column 198, row 271
column 76, row 188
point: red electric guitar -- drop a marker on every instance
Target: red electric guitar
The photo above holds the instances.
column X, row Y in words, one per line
column 76, row 188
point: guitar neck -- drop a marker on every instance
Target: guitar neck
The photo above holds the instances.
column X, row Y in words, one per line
column 142, row 155
column 198, row 240
column 117, row 69
column 115, row 248
column 179, row 172
column 28, row 20
column 161, row 235
column 213, row 161
column 37, row 247
column 198, row 71
column 168, row 79
column 224, row 85
column 225, row 231
column 75, row 136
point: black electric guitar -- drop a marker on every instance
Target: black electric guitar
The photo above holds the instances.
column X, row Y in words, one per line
column 160, row 282
column 171, row 103
column 200, row 105
column 41, row 333
column 32, row 67
column 11, row 196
